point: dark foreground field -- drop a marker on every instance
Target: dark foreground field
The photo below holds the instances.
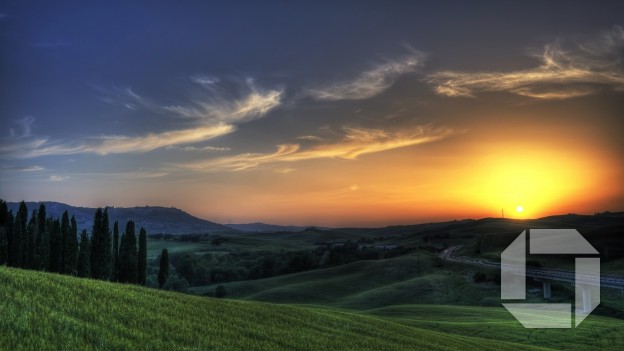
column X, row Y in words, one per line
column 43, row 311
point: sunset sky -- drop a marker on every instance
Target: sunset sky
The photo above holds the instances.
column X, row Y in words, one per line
column 337, row 113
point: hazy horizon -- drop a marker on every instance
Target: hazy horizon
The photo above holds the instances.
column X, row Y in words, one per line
column 316, row 113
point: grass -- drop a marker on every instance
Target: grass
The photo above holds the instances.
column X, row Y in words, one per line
column 595, row 333
column 234, row 242
column 44, row 311
column 359, row 285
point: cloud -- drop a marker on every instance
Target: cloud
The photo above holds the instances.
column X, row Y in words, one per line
column 194, row 148
column 256, row 103
column 356, row 142
column 582, row 69
column 213, row 117
column 369, row 83
column 284, row 170
column 57, row 178
column 18, row 168
column 118, row 144
column 205, row 81
column 310, row 138
column 26, row 123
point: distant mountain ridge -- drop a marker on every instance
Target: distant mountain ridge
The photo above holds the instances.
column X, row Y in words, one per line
column 155, row 219
column 268, row 228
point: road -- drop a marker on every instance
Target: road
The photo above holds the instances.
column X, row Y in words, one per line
column 607, row 281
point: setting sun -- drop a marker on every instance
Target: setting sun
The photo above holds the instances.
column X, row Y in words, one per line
column 519, row 209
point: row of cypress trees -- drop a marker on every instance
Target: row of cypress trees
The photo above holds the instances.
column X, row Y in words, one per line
column 49, row 244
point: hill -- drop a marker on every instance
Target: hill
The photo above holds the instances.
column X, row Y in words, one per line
column 265, row 228
column 155, row 219
column 44, row 311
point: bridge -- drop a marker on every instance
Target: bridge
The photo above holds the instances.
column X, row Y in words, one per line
column 545, row 275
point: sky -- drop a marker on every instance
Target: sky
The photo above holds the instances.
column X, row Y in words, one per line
column 349, row 113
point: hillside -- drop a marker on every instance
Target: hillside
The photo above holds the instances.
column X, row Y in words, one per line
column 43, row 311
column 264, row 227
column 155, row 219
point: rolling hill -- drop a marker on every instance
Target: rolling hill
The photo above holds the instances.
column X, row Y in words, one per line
column 155, row 219
column 44, row 311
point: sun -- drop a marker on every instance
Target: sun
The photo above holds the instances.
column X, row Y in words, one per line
column 519, row 209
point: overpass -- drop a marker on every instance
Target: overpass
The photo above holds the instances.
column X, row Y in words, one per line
column 545, row 275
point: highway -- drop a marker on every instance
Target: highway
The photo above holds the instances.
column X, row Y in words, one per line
column 607, row 281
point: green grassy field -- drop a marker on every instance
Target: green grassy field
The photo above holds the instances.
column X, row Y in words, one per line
column 409, row 279
column 43, row 311
column 233, row 242
column 595, row 333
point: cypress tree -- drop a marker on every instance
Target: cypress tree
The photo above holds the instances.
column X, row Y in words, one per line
column 142, row 256
column 163, row 272
column 23, row 212
column 128, row 259
column 107, row 255
column 31, row 238
column 64, row 235
column 17, row 242
column 56, row 242
column 4, row 240
column 70, row 255
column 84, row 260
column 115, row 275
column 10, row 225
column 96, row 246
column 42, row 250
column 41, row 215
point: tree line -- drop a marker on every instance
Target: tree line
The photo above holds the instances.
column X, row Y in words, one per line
column 51, row 244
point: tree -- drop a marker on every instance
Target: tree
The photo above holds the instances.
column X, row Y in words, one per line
column 64, row 235
column 107, row 241
column 84, row 260
column 101, row 257
column 220, row 292
column 142, row 256
column 9, row 226
column 70, row 255
column 31, row 238
column 163, row 273
column 128, row 258
column 4, row 239
column 42, row 250
column 23, row 212
column 16, row 242
column 115, row 275
column 56, row 243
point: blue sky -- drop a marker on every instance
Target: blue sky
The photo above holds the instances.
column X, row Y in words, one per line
column 242, row 111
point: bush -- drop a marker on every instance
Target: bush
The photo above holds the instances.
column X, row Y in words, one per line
column 479, row 277
column 220, row 292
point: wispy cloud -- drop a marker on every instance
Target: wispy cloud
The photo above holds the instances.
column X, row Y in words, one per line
column 369, row 83
column 213, row 117
column 206, row 81
column 310, row 138
column 581, row 69
column 115, row 144
column 356, row 142
column 254, row 105
column 21, row 168
column 57, row 178
column 26, row 125
column 195, row 148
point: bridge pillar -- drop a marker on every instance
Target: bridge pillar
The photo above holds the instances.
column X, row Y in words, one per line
column 587, row 300
column 547, row 289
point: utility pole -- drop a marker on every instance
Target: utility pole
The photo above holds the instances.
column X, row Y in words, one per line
column 503, row 212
